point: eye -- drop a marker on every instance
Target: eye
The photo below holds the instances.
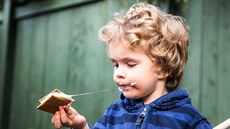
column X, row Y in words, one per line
column 115, row 65
column 131, row 64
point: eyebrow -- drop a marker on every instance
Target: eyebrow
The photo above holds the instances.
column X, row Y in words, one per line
column 123, row 59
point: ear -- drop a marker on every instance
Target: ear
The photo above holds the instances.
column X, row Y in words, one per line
column 163, row 75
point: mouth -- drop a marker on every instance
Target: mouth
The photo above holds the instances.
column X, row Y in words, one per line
column 122, row 88
column 125, row 87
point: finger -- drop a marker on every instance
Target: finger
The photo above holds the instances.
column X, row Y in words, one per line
column 70, row 111
column 64, row 118
column 56, row 120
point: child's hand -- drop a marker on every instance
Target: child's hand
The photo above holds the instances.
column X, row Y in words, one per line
column 69, row 117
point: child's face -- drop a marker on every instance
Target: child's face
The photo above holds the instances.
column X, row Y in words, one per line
column 134, row 66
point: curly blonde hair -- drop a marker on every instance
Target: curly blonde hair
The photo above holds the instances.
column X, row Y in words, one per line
column 163, row 37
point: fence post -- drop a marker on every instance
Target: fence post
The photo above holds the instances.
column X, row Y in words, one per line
column 9, row 31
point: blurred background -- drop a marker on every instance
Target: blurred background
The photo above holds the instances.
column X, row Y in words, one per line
column 48, row 44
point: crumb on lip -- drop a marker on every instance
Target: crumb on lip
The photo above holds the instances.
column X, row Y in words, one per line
column 133, row 84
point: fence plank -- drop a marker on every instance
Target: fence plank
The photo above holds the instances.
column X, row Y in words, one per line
column 35, row 78
column 224, row 61
column 192, row 75
column 2, row 60
column 20, row 81
column 210, row 60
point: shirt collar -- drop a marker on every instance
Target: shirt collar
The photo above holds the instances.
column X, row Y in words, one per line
column 168, row 101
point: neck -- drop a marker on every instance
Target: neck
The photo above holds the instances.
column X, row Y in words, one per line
column 159, row 91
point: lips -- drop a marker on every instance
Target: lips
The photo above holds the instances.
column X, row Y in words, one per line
column 124, row 87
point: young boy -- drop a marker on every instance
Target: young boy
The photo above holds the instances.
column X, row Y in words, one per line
column 149, row 50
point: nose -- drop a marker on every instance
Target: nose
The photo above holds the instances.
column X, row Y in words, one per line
column 119, row 73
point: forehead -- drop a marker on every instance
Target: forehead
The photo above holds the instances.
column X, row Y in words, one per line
column 119, row 51
column 115, row 49
column 119, row 44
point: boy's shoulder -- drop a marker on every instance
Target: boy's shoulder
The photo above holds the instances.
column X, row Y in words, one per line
column 177, row 106
column 177, row 101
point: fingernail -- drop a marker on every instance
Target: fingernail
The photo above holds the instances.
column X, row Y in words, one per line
column 64, row 106
column 60, row 108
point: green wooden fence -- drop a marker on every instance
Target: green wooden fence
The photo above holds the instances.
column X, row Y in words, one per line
column 207, row 74
column 57, row 47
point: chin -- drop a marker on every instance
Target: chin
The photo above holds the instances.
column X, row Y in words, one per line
column 130, row 96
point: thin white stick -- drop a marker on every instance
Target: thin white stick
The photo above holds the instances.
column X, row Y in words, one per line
column 223, row 125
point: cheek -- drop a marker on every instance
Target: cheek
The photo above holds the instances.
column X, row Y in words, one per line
column 144, row 77
column 142, row 72
column 114, row 76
